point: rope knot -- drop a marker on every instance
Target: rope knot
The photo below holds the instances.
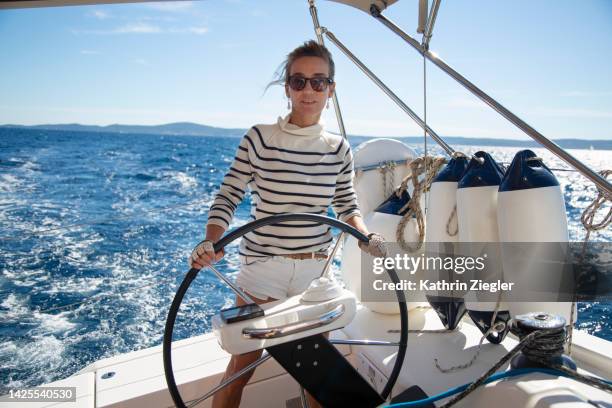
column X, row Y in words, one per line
column 429, row 166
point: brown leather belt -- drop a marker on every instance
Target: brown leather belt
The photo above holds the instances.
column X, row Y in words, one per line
column 307, row 255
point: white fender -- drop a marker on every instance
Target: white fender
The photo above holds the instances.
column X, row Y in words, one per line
column 477, row 216
column 439, row 221
column 386, row 225
column 531, row 208
column 370, row 194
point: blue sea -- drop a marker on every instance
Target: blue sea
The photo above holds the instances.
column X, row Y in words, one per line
column 95, row 230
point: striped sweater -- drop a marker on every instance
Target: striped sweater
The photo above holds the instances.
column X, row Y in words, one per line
column 288, row 169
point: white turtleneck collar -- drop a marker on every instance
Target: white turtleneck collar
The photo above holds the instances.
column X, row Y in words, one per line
column 313, row 130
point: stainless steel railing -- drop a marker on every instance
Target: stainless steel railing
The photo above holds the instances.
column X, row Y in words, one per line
column 551, row 146
column 387, row 90
column 423, row 48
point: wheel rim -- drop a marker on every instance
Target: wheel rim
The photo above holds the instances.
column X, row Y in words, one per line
column 239, row 232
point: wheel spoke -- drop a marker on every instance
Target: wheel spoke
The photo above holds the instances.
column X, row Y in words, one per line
column 230, row 380
column 303, row 398
column 239, row 232
column 235, row 288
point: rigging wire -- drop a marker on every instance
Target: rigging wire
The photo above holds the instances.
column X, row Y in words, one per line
column 425, row 121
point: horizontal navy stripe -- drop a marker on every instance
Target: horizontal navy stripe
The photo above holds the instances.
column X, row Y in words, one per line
column 351, row 208
column 239, row 198
column 224, row 204
column 240, row 172
column 219, row 195
column 278, row 149
column 301, row 183
column 292, row 171
column 352, row 193
column 217, row 217
column 338, row 190
column 242, row 160
column 337, row 202
column 294, row 194
column 284, row 225
column 284, row 212
column 291, row 203
column 230, row 175
column 234, row 187
column 261, row 234
column 269, row 212
column 272, row 159
column 297, row 248
column 222, row 210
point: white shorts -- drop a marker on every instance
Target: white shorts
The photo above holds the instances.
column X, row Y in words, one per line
column 277, row 277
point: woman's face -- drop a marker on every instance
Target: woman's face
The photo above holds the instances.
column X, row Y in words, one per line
column 309, row 102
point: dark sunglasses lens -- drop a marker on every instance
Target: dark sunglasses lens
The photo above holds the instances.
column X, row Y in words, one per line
column 318, row 84
column 297, row 83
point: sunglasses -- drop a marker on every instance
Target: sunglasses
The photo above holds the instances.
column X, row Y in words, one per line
column 318, row 84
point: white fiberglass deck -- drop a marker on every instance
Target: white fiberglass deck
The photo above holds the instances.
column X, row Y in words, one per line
column 199, row 362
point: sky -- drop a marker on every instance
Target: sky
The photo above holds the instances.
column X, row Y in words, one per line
column 548, row 61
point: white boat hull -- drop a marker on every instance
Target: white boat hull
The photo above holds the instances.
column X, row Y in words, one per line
column 199, row 364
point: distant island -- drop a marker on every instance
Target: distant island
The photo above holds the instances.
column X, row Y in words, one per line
column 179, row 128
column 194, row 129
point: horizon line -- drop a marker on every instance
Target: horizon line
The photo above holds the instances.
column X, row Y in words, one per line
column 502, row 138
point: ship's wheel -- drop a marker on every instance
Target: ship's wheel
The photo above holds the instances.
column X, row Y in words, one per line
column 335, row 382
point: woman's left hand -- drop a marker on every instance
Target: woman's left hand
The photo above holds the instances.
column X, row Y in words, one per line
column 204, row 255
column 375, row 246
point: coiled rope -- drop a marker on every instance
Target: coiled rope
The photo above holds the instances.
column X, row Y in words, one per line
column 536, row 345
column 545, row 347
column 590, row 225
column 453, row 216
column 588, row 216
column 387, row 172
column 493, row 328
column 429, row 166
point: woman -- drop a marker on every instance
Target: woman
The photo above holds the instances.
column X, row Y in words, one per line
column 291, row 166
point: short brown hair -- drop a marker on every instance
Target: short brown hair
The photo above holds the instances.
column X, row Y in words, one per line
column 310, row 48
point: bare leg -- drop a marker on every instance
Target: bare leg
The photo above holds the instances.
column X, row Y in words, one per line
column 312, row 403
column 229, row 397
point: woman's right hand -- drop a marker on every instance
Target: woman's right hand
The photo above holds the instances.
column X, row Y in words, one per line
column 203, row 255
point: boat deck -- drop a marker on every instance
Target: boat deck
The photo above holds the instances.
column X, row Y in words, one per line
column 138, row 379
